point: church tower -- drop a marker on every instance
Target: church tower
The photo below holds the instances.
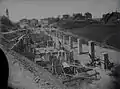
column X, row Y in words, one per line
column 7, row 13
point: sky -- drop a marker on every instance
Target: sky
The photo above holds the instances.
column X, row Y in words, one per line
column 19, row 9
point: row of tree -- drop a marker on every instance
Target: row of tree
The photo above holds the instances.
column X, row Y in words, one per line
column 5, row 24
column 75, row 16
column 113, row 17
column 78, row 16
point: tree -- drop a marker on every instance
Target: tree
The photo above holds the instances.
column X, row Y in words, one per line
column 66, row 16
column 4, row 20
column 5, row 24
column 78, row 16
column 58, row 18
column 33, row 22
column 4, row 28
column 88, row 15
column 115, row 73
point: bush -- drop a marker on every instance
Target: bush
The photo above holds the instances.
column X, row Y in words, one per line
column 4, row 20
column 116, row 75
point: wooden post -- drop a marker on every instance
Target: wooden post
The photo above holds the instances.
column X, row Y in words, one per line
column 47, row 56
column 56, row 34
column 61, row 55
column 92, row 50
column 50, row 30
column 79, row 46
column 65, row 56
column 106, row 60
column 54, row 45
column 70, row 42
column 60, row 35
column 71, row 56
column 62, row 38
column 56, row 39
column 47, row 44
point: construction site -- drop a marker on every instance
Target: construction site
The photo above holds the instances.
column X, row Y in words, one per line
column 47, row 56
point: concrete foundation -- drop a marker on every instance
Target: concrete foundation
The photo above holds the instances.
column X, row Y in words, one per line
column 92, row 50
column 65, row 56
column 63, row 39
column 106, row 60
column 79, row 46
column 70, row 42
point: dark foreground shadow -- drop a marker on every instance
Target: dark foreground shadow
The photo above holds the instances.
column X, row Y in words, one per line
column 4, row 71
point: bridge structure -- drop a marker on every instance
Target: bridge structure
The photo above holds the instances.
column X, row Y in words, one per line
column 27, row 74
column 78, row 46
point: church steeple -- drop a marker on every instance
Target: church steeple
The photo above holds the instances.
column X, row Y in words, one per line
column 7, row 13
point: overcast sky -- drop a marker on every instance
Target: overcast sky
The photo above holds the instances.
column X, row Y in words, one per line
column 19, row 9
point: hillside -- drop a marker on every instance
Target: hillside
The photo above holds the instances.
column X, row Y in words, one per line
column 69, row 24
column 98, row 32
column 114, row 40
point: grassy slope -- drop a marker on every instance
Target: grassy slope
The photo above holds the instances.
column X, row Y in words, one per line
column 114, row 40
column 96, row 32
column 69, row 24
column 99, row 33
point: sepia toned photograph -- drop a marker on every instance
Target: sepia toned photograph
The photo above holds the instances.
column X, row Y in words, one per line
column 60, row 44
